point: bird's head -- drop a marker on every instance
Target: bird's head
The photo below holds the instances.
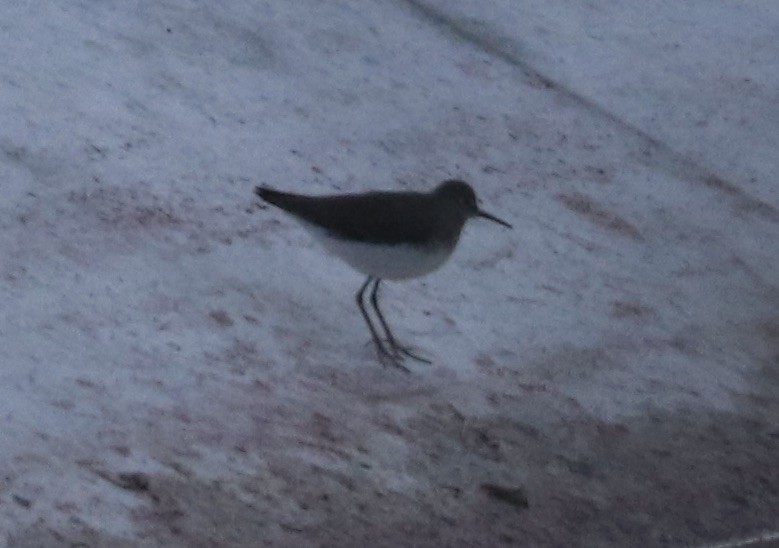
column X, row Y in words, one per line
column 461, row 195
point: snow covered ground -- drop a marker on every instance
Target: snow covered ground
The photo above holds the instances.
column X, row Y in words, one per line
column 179, row 367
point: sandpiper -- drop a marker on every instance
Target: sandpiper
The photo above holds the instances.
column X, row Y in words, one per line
column 386, row 235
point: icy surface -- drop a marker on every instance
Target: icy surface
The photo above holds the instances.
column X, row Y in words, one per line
column 179, row 367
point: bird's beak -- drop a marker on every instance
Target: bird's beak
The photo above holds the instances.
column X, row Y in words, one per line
column 492, row 218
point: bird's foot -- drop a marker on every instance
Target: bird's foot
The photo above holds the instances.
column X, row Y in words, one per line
column 387, row 357
column 400, row 351
column 393, row 359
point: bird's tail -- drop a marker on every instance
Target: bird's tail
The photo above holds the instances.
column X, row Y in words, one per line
column 271, row 196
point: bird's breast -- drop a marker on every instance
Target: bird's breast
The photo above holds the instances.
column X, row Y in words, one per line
column 385, row 261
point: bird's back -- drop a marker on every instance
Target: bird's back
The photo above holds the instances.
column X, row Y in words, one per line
column 387, row 218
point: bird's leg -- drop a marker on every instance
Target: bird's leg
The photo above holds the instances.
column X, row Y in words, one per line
column 383, row 353
column 397, row 348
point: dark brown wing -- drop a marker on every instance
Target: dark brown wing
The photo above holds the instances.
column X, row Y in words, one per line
column 375, row 217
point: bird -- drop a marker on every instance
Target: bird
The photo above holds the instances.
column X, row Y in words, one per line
column 386, row 235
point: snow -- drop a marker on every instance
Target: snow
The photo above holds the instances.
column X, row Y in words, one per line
column 614, row 356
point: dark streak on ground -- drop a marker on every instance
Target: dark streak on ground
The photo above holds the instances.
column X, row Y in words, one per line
column 655, row 153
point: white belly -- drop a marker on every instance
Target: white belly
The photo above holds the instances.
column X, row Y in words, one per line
column 391, row 262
